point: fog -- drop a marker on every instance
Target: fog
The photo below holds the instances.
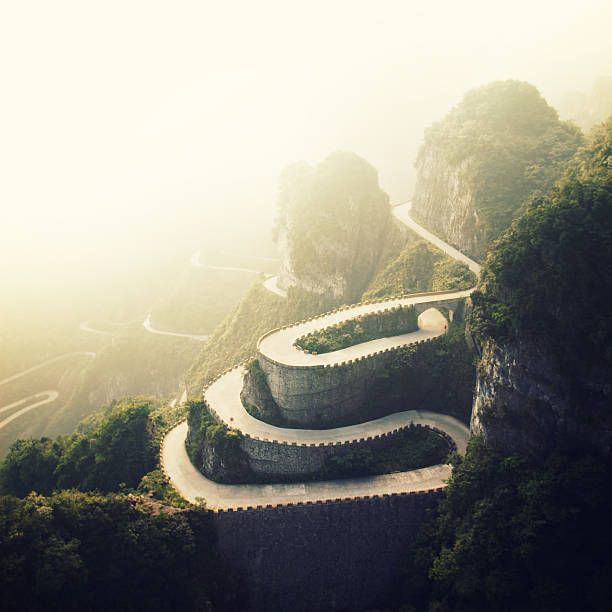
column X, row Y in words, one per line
column 138, row 131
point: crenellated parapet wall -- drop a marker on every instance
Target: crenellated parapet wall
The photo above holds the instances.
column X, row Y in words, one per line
column 352, row 551
column 322, row 395
column 273, row 458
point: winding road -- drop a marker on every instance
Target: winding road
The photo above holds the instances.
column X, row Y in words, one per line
column 49, row 396
column 147, row 325
column 43, row 364
column 271, row 284
column 43, row 397
column 402, row 213
column 223, row 398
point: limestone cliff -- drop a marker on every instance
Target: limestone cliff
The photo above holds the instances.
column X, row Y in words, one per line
column 543, row 310
column 444, row 201
column 479, row 166
column 524, row 404
column 333, row 226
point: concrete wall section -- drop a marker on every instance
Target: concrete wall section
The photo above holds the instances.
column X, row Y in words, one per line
column 321, row 395
column 343, row 555
column 281, row 459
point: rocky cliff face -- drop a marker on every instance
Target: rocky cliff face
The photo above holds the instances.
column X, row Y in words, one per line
column 333, row 225
column 479, row 166
column 524, row 404
column 444, row 202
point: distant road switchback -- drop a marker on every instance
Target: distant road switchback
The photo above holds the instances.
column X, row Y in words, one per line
column 43, row 397
column 24, row 405
column 43, row 364
column 223, row 398
column 147, row 325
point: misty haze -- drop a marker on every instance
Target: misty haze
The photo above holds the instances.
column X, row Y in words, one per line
column 305, row 306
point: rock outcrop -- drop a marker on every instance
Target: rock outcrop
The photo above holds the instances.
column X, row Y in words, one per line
column 334, row 222
column 524, row 404
column 444, row 201
column 479, row 166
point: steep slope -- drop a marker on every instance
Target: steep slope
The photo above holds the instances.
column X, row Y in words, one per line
column 524, row 524
column 479, row 166
column 543, row 312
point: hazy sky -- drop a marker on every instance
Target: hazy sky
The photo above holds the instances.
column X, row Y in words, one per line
column 119, row 120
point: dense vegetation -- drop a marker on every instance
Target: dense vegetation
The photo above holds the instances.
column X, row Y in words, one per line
column 364, row 328
column 85, row 551
column 412, row 448
column 216, row 444
column 531, row 532
column 512, row 146
column 418, row 268
column 517, row 534
column 549, row 275
column 336, row 220
column 118, row 450
column 113, row 450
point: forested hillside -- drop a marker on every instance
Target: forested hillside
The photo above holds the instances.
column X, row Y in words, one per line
column 524, row 522
column 479, row 167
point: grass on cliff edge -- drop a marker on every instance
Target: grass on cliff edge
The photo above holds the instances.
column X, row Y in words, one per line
column 360, row 329
column 418, row 268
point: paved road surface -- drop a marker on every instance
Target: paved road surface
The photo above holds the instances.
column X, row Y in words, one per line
column 181, row 400
column 194, row 486
column 148, row 327
column 402, row 212
column 279, row 344
column 84, row 326
column 223, row 397
column 271, row 284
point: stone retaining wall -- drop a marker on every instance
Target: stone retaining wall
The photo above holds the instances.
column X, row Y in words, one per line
column 346, row 554
column 323, row 395
column 271, row 458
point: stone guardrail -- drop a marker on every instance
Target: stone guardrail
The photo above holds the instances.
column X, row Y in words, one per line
column 385, row 497
column 452, row 294
column 354, row 499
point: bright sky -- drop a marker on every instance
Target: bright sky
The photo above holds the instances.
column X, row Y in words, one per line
column 121, row 120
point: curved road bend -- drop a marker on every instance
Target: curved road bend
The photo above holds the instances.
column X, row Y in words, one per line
column 181, row 400
column 271, row 284
column 43, row 364
column 194, row 486
column 224, row 398
column 147, row 325
column 402, row 213
column 278, row 345
column 49, row 396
